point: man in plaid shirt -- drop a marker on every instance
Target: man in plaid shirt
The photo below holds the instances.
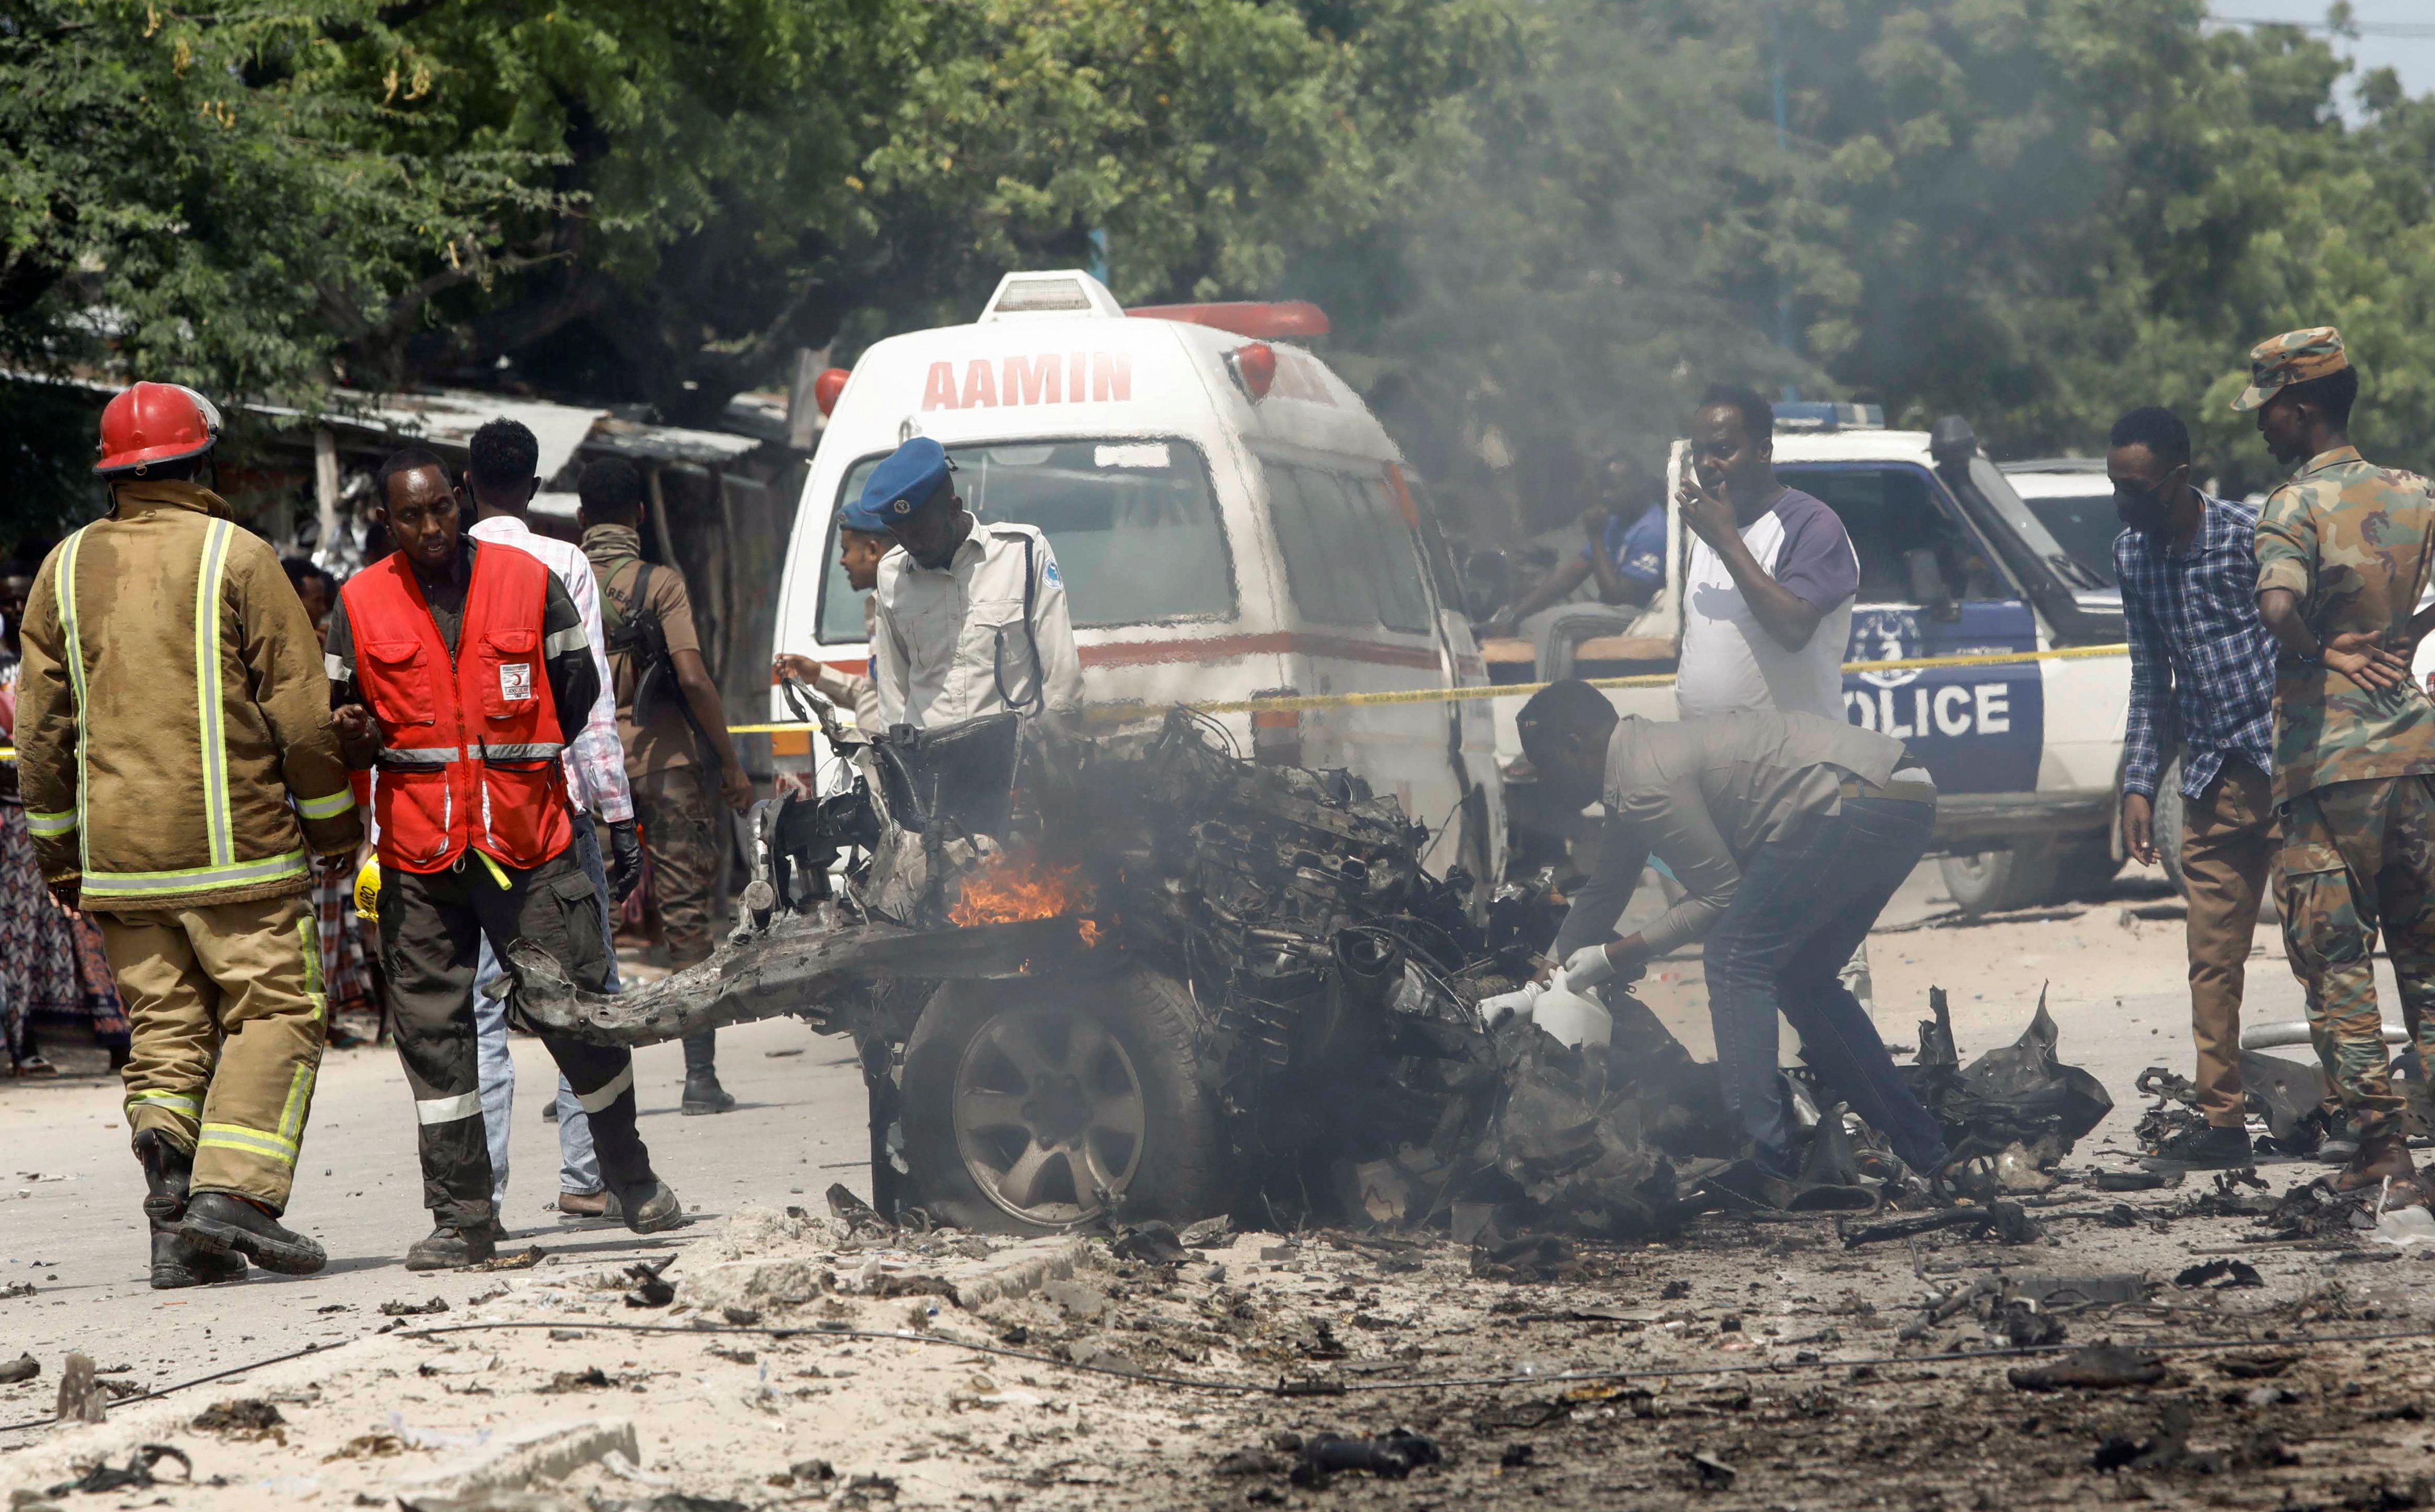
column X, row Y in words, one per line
column 2201, row 667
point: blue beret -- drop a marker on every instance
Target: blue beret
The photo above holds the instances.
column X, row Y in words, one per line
column 900, row 485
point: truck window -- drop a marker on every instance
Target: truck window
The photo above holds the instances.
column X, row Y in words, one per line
column 1350, row 558
column 1889, row 510
column 1134, row 525
column 2083, row 523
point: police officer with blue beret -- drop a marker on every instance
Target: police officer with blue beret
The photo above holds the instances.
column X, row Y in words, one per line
column 972, row 617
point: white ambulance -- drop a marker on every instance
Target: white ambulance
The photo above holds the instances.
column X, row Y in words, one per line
column 1954, row 562
column 1228, row 518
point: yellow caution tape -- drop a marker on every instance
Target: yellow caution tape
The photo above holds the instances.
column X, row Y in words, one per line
column 1129, row 709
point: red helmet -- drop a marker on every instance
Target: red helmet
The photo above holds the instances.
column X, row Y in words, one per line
column 155, row 423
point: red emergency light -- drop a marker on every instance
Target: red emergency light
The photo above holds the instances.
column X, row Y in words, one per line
column 1263, row 319
column 1255, row 368
column 826, row 387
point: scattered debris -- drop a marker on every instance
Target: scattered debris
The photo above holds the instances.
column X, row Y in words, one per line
column 2254, row 1367
column 1393, row 1456
column 1252, row 1462
column 523, row 1260
column 2225, row 1274
column 24, row 1367
column 16, row 1289
column 2096, row 1368
column 1152, row 1244
column 2132, row 1180
column 2170, row 1450
column 590, row 1378
column 241, row 1417
column 2005, row 1221
column 81, row 1399
column 649, row 1290
column 1712, row 1473
column 857, row 1215
column 2022, row 1093
column 136, row 1474
column 437, row 1304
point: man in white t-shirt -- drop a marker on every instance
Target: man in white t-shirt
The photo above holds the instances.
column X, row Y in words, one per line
column 1767, row 596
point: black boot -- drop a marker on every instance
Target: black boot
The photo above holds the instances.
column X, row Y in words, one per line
column 177, row 1264
column 702, row 1093
column 651, row 1207
column 447, row 1247
column 166, row 1172
column 174, row 1263
column 220, row 1222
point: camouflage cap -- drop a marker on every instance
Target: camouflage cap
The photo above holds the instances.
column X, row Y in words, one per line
column 2294, row 357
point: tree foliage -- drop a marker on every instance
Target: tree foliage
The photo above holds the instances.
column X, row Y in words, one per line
column 1539, row 225
column 2036, row 214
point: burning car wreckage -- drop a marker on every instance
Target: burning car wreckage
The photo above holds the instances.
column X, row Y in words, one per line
column 1144, row 977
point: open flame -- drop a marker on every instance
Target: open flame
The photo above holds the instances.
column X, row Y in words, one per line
column 1019, row 887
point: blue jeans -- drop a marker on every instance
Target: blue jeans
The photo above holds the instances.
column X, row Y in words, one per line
column 1802, row 905
column 578, row 1164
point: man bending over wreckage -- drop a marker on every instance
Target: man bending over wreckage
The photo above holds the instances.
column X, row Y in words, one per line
column 1789, row 832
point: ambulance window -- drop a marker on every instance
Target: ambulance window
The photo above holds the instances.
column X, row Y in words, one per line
column 1317, row 535
column 1890, row 510
column 1134, row 525
column 1404, row 602
column 1349, row 556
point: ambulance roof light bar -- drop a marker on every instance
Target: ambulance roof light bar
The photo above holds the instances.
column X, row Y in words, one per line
column 1059, row 294
column 1260, row 319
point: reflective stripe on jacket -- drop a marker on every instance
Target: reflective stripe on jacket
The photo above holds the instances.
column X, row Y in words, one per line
column 173, row 719
column 469, row 743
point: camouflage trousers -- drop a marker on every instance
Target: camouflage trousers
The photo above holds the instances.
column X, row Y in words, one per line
column 2359, row 858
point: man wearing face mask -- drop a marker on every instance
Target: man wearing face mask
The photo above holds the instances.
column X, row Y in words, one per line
column 2201, row 661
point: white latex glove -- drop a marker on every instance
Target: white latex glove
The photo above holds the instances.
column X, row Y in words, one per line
column 1586, row 967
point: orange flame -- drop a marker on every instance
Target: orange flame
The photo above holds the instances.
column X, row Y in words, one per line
column 1018, row 888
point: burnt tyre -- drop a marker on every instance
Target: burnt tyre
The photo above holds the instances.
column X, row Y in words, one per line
column 1031, row 1106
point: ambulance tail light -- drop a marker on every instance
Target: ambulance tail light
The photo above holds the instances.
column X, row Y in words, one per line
column 1276, row 733
column 1255, row 369
column 826, row 387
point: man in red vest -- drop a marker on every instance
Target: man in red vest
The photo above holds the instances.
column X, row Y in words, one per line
column 464, row 655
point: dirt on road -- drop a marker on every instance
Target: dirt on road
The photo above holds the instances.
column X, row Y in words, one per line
column 1751, row 1361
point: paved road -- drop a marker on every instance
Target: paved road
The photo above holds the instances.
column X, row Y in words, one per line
column 70, row 1221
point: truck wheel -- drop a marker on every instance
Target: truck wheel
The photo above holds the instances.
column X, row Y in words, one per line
column 1996, row 882
column 1031, row 1106
column 2084, row 866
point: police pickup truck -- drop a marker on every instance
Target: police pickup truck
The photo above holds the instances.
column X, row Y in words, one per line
column 1956, row 567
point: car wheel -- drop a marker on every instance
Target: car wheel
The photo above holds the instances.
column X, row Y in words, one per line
column 1996, row 882
column 1033, row 1106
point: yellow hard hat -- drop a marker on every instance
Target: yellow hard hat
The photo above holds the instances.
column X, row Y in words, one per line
column 368, row 890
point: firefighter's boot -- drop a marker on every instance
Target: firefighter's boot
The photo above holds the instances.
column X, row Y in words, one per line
column 176, row 1262
column 221, row 1222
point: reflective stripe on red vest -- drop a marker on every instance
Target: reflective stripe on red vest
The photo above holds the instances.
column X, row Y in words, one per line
column 470, row 744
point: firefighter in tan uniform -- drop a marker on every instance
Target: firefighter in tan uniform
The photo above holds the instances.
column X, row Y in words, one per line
column 178, row 768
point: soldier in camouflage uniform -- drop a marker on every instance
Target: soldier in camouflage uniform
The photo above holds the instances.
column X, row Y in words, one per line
column 2344, row 552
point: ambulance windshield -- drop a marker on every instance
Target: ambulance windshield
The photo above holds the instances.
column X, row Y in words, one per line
column 1134, row 524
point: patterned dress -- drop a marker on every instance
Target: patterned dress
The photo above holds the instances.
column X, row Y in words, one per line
column 51, row 964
